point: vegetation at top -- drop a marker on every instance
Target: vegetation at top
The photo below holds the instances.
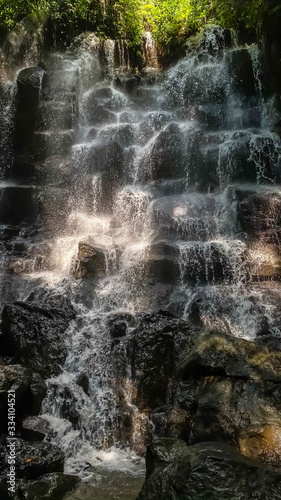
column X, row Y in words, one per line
column 170, row 21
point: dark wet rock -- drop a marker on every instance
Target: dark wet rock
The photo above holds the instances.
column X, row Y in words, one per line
column 132, row 83
column 29, row 389
column 101, row 116
column 154, row 351
column 51, row 142
column 37, row 326
column 125, row 316
column 125, row 135
column 228, row 389
column 118, row 329
column 244, row 414
column 83, row 381
column 240, row 65
column 53, row 212
column 216, row 353
column 29, row 83
column 153, row 123
column 34, row 429
column 162, row 262
column 34, row 459
column 56, row 115
column 19, row 204
column 50, row 486
column 92, row 134
column 272, row 48
column 166, row 156
column 259, row 215
column 209, row 471
column 70, row 401
column 107, row 160
column 107, row 97
column 91, row 259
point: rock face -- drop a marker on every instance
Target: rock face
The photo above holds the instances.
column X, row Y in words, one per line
column 37, row 326
column 29, row 83
column 154, row 352
column 222, row 355
column 30, row 389
column 204, row 385
column 205, row 471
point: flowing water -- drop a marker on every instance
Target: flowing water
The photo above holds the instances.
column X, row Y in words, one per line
column 158, row 175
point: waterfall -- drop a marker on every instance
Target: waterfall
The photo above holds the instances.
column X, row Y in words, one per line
column 139, row 190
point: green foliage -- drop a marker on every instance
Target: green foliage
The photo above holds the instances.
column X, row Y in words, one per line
column 170, row 21
column 238, row 14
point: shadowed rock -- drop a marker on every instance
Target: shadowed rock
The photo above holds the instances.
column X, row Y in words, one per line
column 205, row 471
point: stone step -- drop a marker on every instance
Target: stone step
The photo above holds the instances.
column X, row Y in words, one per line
column 18, row 204
column 58, row 83
column 199, row 262
column 56, row 115
column 52, row 142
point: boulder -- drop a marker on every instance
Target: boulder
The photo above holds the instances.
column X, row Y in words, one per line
column 29, row 389
column 265, row 261
column 34, row 459
column 216, row 353
column 108, row 97
column 259, row 215
column 154, row 350
column 205, row 471
column 165, row 158
column 244, row 414
column 91, row 259
column 34, row 429
column 37, row 326
column 152, row 123
column 50, row 487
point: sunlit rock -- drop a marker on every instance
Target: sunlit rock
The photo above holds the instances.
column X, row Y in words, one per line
column 222, row 355
column 92, row 258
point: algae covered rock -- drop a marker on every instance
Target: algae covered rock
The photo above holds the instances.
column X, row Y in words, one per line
column 216, row 353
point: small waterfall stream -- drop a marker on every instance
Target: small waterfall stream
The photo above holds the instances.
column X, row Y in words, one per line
column 160, row 191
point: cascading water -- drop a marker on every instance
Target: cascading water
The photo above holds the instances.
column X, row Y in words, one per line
column 144, row 187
